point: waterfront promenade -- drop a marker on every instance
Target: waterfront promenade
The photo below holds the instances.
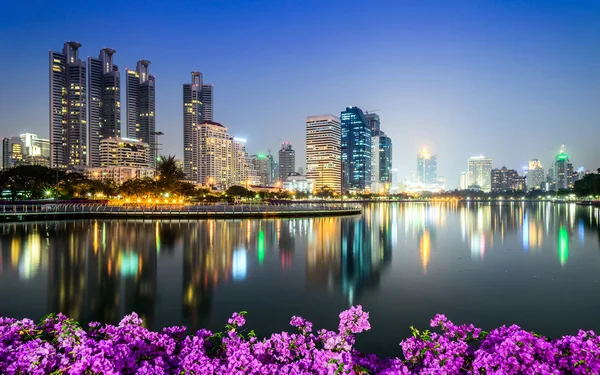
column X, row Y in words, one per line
column 80, row 211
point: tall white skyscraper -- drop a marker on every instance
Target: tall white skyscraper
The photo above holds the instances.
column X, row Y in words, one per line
column 426, row 167
column 323, row 152
column 480, row 173
column 563, row 170
column 68, row 108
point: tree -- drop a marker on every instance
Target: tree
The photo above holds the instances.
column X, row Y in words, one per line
column 324, row 192
column 588, row 186
column 237, row 191
column 168, row 170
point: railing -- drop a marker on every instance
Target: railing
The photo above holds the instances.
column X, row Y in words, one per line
column 77, row 209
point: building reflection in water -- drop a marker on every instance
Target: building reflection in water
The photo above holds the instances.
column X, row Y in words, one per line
column 349, row 254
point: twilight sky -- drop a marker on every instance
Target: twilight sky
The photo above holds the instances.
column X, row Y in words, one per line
column 511, row 80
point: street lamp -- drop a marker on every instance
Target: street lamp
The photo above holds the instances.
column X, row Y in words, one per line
column 156, row 157
column 56, row 164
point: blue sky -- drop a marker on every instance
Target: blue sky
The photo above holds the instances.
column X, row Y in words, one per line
column 511, row 80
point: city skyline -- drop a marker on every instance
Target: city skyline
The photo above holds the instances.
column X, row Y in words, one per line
column 519, row 83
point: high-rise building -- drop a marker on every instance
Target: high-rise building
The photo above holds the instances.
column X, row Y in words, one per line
column 241, row 163
column 535, row 175
column 141, row 106
column 68, row 108
column 356, row 150
column 212, row 153
column 323, row 152
column 374, row 122
column 563, row 170
column 480, row 173
column 506, row 180
column 426, row 167
column 381, row 161
column 197, row 108
column 263, row 165
column 104, row 101
column 26, row 149
column 463, row 181
column 125, row 152
column 287, row 161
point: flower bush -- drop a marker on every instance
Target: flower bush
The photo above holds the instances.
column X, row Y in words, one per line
column 58, row 345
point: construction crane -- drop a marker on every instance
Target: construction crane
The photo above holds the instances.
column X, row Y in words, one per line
column 372, row 110
column 273, row 145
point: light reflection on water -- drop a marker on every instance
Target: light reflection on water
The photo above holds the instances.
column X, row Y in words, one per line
column 486, row 263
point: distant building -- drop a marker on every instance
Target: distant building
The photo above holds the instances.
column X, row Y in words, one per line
column 381, row 162
column 26, row 149
column 506, row 180
column 463, row 181
column 299, row 183
column 119, row 174
column 263, row 166
column 480, row 173
column 373, row 122
column 426, row 168
column 535, row 175
column 356, row 150
column 287, row 161
column 104, row 86
column 323, row 152
column 241, row 163
column 197, row 108
column 68, row 108
column 124, row 152
column 141, row 106
column 563, row 171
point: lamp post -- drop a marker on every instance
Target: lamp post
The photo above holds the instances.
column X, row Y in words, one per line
column 156, row 135
column 56, row 164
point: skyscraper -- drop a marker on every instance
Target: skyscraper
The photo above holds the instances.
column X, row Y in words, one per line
column 463, row 181
column 197, row 108
column 241, row 163
column 287, row 161
column 374, row 122
column 141, row 104
column 563, row 170
column 323, row 152
column 504, row 180
column 68, row 108
column 212, row 153
column 480, row 173
column 104, row 82
column 263, row 165
column 426, row 168
column 381, row 161
column 535, row 175
column 356, row 150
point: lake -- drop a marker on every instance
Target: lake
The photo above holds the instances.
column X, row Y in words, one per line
column 532, row 264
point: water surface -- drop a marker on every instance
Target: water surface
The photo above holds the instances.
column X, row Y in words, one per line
column 533, row 264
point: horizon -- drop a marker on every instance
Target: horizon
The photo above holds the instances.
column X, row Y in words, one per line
column 512, row 82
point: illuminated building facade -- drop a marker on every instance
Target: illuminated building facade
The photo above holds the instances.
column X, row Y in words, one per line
column 463, row 184
column 68, row 108
column 119, row 174
column 124, row 152
column 26, row 149
column 197, row 108
column 212, row 152
column 374, row 122
column 480, row 173
column 356, row 150
column 506, row 180
column 323, row 152
column 563, row 171
column 299, row 183
column 104, row 101
column 535, row 175
column 141, row 106
column 287, row 161
column 426, row 168
column 241, row 162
